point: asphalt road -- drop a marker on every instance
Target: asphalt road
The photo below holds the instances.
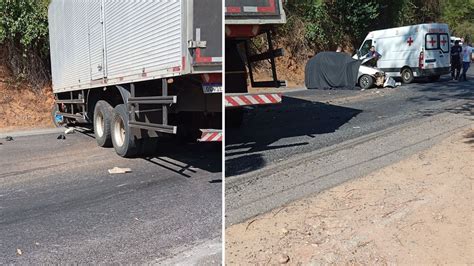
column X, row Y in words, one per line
column 320, row 138
column 309, row 120
column 59, row 204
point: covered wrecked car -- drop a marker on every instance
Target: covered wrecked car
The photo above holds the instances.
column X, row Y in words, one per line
column 340, row 71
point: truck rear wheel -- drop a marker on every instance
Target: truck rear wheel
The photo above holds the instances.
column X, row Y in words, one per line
column 407, row 75
column 122, row 138
column 103, row 112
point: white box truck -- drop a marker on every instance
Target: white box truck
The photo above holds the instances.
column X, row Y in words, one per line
column 244, row 21
column 412, row 51
column 137, row 69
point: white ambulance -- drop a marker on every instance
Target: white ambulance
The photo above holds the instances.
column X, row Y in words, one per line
column 412, row 51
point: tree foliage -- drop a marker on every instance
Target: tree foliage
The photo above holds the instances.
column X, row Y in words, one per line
column 24, row 34
column 328, row 23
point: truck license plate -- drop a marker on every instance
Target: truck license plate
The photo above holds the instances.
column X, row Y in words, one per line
column 212, row 88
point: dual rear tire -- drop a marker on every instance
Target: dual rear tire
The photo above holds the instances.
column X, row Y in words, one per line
column 111, row 129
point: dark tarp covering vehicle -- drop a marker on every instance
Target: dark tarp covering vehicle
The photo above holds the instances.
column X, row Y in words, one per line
column 332, row 70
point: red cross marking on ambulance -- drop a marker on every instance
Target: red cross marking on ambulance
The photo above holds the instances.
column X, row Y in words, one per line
column 432, row 42
column 443, row 41
column 410, row 41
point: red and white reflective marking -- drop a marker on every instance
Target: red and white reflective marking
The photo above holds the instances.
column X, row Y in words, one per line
column 252, row 99
column 202, row 59
column 211, row 135
column 271, row 8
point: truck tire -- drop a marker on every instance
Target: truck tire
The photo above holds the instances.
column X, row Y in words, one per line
column 407, row 75
column 66, row 121
column 124, row 143
column 103, row 112
column 54, row 110
column 234, row 118
column 366, row 82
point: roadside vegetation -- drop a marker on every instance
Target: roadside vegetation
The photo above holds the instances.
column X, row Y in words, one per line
column 323, row 25
column 320, row 25
column 24, row 40
column 25, row 91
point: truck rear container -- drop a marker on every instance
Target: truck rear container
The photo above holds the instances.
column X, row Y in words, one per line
column 136, row 69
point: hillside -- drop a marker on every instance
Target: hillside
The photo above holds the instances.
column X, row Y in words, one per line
column 21, row 106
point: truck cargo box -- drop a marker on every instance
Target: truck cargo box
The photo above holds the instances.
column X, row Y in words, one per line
column 254, row 12
column 98, row 43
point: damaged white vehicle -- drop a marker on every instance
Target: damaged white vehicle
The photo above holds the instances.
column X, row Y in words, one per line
column 370, row 76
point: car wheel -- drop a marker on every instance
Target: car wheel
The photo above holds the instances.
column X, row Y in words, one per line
column 407, row 75
column 366, row 82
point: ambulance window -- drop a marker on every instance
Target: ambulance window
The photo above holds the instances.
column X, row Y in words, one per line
column 364, row 49
column 444, row 42
column 432, row 41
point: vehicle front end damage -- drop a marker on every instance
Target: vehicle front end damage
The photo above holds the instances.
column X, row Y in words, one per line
column 371, row 76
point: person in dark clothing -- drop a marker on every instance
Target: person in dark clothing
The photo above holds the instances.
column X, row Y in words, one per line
column 373, row 53
column 456, row 51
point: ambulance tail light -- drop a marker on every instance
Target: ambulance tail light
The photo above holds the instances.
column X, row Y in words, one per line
column 421, row 59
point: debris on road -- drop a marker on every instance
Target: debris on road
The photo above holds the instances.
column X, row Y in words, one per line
column 118, row 170
column 61, row 136
column 283, row 259
column 9, row 138
column 70, row 131
column 19, row 252
column 390, row 82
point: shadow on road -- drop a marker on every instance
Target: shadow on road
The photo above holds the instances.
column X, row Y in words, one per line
column 183, row 159
column 445, row 89
column 266, row 128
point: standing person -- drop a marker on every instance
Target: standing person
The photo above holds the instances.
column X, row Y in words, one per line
column 456, row 60
column 466, row 59
column 373, row 53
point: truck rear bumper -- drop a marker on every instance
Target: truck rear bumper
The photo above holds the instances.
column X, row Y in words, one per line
column 246, row 99
column 211, row 135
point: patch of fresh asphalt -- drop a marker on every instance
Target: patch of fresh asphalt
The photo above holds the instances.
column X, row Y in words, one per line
column 313, row 119
column 59, row 204
column 315, row 124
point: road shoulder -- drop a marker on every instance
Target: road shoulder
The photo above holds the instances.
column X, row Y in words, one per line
column 403, row 213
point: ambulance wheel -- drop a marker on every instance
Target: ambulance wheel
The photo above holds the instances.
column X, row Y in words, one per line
column 434, row 78
column 122, row 137
column 407, row 75
column 366, row 82
column 102, row 115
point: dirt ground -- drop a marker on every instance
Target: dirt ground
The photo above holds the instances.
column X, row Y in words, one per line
column 22, row 107
column 419, row 210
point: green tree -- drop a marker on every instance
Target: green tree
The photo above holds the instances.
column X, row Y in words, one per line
column 459, row 15
column 24, row 35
